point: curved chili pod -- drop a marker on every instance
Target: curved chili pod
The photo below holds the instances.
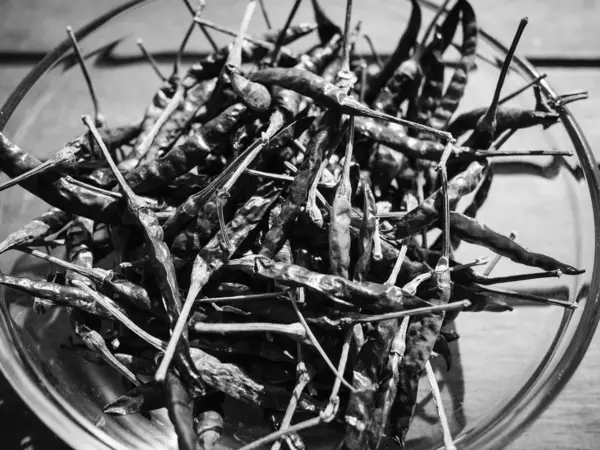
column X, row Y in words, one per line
column 180, row 408
column 144, row 398
column 194, row 97
column 255, row 96
column 420, row 339
column 325, row 26
column 427, row 212
column 456, row 88
column 368, row 295
column 472, row 231
column 507, row 118
column 185, row 157
column 406, row 43
column 35, row 231
column 58, row 191
column 366, row 380
column 368, row 228
column 78, row 244
column 58, row 295
column 298, row 191
column 234, row 382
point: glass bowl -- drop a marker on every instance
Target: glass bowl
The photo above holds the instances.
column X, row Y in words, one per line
column 507, row 367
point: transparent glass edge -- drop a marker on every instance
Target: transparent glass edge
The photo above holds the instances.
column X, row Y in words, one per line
column 18, row 371
column 514, row 419
column 532, row 404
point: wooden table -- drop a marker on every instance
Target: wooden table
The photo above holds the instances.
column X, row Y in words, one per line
column 557, row 30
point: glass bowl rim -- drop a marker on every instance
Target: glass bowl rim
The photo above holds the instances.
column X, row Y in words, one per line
column 75, row 429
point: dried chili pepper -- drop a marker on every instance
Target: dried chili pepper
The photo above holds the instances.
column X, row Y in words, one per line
column 70, row 156
column 400, row 54
column 61, row 192
column 37, row 230
column 231, row 380
column 426, row 213
column 213, row 256
column 470, row 230
column 188, row 155
column 180, row 408
column 106, row 281
column 160, row 257
column 330, row 96
column 368, row 229
column 58, row 295
column 298, row 191
column 144, row 398
column 421, row 337
column 208, row 420
column 455, row 90
column 370, row 296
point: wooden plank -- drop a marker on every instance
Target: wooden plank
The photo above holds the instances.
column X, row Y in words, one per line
column 39, row 24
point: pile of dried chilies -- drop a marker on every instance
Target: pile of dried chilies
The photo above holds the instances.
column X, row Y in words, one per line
column 261, row 233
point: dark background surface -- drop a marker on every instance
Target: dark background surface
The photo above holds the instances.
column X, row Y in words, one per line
column 563, row 36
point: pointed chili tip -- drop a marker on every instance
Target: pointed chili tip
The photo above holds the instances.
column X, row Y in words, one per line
column 254, row 95
column 326, row 28
column 569, row 270
column 4, row 246
column 114, row 410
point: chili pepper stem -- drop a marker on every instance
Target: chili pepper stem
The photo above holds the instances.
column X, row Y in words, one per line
column 293, row 330
column 411, row 312
column 96, row 343
column 397, row 265
column 281, row 38
column 236, row 298
column 529, row 297
column 253, row 40
column 126, row 321
column 520, row 277
column 43, row 167
column 235, row 54
column 437, row 397
column 166, row 113
column 377, row 249
column 92, row 274
column 222, row 197
column 420, row 49
column 118, row 175
column 193, row 11
column 363, row 81
column 304, row 375
column 334, row 400
column 522, row 89
column 374, row 52
column 151, row 60
column 161, row 371
column 186, row 38
column 487, row 123
column 495, row 153
column 317, row 345
column 98, row 116
column 263, row 9
column 310, row 423
column 477, row 262
column 497, row 258
column 346, row 43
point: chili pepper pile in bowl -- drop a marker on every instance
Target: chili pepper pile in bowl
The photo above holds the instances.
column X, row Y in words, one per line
column 294, row 241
